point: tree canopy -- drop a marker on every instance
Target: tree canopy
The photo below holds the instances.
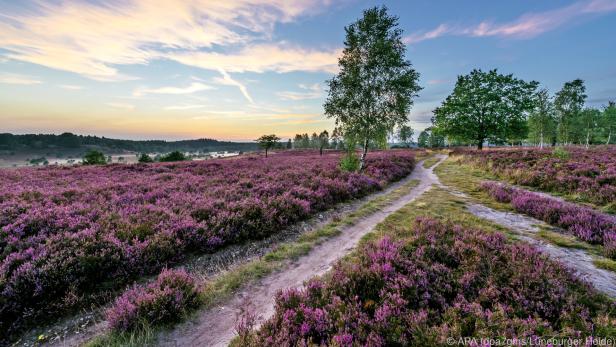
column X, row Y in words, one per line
column 267, row 141
column 486, row 106
column 374, row 90
column 569, row 102
column 94, row 158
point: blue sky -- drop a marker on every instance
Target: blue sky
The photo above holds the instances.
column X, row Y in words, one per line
column 238, row 69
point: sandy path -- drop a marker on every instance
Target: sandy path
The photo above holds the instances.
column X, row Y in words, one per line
column 215, row 327
column 525, row 227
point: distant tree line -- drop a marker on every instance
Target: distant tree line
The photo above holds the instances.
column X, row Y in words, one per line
column 11, row 142
column 502, row 109
column 320, row 141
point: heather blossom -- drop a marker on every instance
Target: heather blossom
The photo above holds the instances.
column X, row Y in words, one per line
column 66, row 233
column 583, row 222
column 439, row 281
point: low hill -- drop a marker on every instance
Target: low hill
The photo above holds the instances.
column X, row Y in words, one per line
column 69, row 142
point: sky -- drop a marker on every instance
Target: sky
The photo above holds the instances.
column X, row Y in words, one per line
column 234, row 70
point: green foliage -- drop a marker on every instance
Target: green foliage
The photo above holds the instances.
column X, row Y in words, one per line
column 542, row 120
column 405, row 134
column 173, row 156
column 144, row 158
column 486, row 106
column 374, row 90
column 349, row 162
column 267, row 141
column 423, row 140
column 560, row 153
column 94, row 158
column 569, row 102
column 608, row 122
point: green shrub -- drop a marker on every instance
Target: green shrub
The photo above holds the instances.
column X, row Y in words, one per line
column 94, row 158
column 349, row 162
column 560, row 153
column 174, row 156
column 144, row 158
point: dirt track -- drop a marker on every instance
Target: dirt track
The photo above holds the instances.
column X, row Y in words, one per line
column 215, row 327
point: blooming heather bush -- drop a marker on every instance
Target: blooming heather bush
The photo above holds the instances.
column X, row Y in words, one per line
column 588, row 173
column 585, row 223
column 67, row 232
column 443, row 281
column 169, row 297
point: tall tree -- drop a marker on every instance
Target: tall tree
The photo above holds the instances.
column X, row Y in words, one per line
column 568, row 103
column 608, row 121
column 374, row 90
column 267, row 141
column 542, row 120
column 405, row 134
column 486, row 106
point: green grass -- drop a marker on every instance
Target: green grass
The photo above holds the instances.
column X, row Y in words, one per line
column 438, row 204
column 562, row 240
column 223, row 286
column 428, row 163
column 606, row 264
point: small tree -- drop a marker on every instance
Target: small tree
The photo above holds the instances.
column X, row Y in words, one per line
column 267, row 141
column 374, row 90
column 405, row 134
column 173, row 156
column 144, row 158
column 589, row 121
column 608, row 121
column 323, row 141
column 289, row 144
column 424, row 139
column 569, row 102
column 542, row 120
column 94, row 158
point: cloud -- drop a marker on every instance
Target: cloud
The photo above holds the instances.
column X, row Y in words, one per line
column 259, row 58
column 94, row 39
column 192, row 88
column 184, row 107
column 227, row 80
column 121, row 105
column 9, row 78
column 526, row 26
column 70, row 87
column 440, row 30
column 314, row 91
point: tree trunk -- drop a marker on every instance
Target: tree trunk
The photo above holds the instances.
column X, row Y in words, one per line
column 480, row 144
column 541, row 144
column 266, row 152
column 587, row 139
column 609, row 135
column 321, row 150
column 362, row 159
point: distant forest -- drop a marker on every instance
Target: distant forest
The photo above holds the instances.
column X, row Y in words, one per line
column 16, row 143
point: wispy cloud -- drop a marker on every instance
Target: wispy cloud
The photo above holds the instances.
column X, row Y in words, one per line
column 192, row 88
column 313, row 91
column 278, row 57
column 121, row 105
column 95, row 39
column 9, row 78
column 184, row 107
column 227, row 80
column 526, row 26
column 70, row 87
